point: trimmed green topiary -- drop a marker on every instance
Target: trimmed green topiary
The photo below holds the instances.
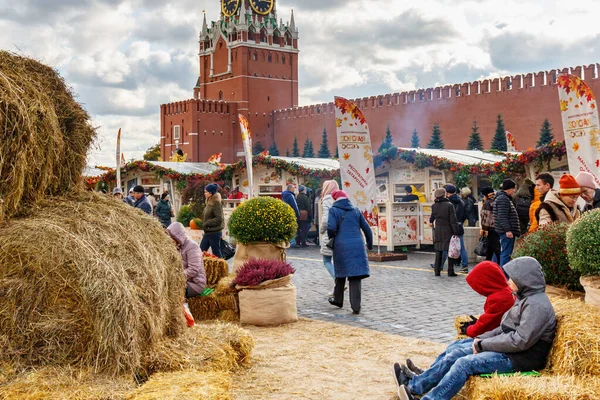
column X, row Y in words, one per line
column 548, row 246
column 583, row 244
column 263, row 219
column 185, row 215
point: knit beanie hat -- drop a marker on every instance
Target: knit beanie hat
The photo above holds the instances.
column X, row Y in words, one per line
column 138, row 189
column 585, row 179
column 339, row 194
column 212, row 188
column 486, row 191
column 450, row 189
column 439, row 193
column 508, row 184
column 568, row 186
column 329, row 187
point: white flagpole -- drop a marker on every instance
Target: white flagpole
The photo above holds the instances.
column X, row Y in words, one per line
column 119, row 158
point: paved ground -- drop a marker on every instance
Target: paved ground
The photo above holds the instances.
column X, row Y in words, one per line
column 400, row 297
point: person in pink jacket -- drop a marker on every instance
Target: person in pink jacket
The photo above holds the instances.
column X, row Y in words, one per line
column 193, row 266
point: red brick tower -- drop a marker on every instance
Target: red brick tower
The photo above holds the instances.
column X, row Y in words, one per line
column 250, row 58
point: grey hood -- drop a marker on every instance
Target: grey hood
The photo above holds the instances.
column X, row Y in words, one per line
column 177, row 232
column 527, row 274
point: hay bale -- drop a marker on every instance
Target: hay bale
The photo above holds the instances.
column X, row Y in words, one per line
column 45, row 134
column 206, row 308
column 229, row 316
column 65, row 383
column 547, row 387
column 204, row 347
column 576, row 348
column 226, row 285
column 186, row 385
column 216, row 269
column 458, row 319
column 88, row 280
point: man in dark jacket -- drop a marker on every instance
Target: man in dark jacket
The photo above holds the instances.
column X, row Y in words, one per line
column 163, row 210
column 506, row 220
column 446, row 226
column 523, row 199
column 141, row 201
column 522, row 342
column 304, row 216
column 459, row 207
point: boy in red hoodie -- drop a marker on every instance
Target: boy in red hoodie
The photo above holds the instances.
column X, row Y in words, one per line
column 488, row 280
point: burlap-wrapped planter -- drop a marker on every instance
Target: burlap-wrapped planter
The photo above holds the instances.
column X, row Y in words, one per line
column 271, row 284
column 591, row 284
column 266, row 251
column 267, row 307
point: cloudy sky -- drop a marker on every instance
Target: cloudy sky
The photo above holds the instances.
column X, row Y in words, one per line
column 126, row 57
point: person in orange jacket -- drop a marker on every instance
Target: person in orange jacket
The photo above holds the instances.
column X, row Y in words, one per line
column 535, row 204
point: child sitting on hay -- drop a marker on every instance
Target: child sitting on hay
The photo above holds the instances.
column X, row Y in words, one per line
column 487, row 279
column 521, row 343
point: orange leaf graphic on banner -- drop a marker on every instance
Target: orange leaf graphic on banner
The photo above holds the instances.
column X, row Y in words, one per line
column 347, row 184
column 346, row 156
column 348, row 107
column 564, row 105
column 573, row 84
column 575, row 146
column 338, row 122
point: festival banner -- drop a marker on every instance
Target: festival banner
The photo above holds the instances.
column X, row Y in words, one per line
column 356, row 158
column 580, row 123
column 215, row 159
column 247, row 142
column 511, row 143
column 118, row 159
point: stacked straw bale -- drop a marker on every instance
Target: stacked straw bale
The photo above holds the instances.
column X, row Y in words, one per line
column 45, row 134
column 573, row 370
column 190, row 384
column 216, row 269
column 222, row 304
column 90, row 280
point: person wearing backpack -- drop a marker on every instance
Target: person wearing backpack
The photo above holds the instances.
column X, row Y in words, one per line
column 471, row 214
column 522, row 200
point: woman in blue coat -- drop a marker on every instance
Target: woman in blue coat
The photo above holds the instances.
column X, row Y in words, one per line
column 349, row 254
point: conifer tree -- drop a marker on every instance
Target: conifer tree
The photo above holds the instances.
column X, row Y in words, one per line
column 273, row 149
column 436, row 141
column 258, row 148
column 311, row 150
column 308, row 149
column 475, row 142
column 295, row 149
column 546, row 135
column 499, row 140
column 387, row 142
column 324, row 149
column 415, row 142
column 337, row 153
column 287, row 152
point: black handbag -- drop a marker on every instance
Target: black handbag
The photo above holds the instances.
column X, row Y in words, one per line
column 482, row 246
column 331, row 242
column 227, row 251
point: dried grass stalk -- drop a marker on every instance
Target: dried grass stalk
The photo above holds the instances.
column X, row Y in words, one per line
column 189, row 384
column 216, row 269
column 45, row 134
column 576, row 348
column 206, row 308
column 65, row 383
column 457, row 321
column 229, row 316
column 547, row 387
column 225, row 285
column 88, row 280
column 204, row 347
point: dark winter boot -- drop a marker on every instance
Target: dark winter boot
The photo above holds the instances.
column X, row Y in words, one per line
column 451, row 262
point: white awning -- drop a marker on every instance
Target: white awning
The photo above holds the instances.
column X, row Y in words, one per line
column 187, row 167
column 312, row 163
column 467, row 157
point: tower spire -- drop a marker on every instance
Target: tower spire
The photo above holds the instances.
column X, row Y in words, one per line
column 204, row 25
column 292, row 22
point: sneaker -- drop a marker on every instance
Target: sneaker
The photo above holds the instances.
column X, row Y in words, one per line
column 465, row 270
column 333, row 303
column 409, row 374
column 432, row 266
column 405, row 394
column 413, row 367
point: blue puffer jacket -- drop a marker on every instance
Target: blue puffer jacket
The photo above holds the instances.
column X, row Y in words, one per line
column 349, row 253
column 290, row 199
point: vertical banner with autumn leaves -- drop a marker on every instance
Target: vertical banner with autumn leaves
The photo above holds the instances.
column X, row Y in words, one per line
column 580, row 123
column 247, row 142
column 356, row 158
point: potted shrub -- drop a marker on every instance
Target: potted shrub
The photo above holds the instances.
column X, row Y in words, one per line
column 196, row 224
column 185, row 215
column 548, row 245
column 583, row 250
column 267, row 296
column 262, row 228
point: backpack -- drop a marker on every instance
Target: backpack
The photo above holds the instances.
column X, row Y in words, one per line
column 522, row 204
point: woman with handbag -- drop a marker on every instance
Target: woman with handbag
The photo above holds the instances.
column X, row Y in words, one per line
column 443, row 216
column 212, row 220
column 344, row 226
column 304, row 218
column 487, row 225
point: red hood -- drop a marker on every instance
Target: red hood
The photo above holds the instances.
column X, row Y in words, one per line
column 487, row 278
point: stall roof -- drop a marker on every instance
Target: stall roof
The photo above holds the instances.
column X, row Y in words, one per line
column 187, row 167
column 93, row 172
column 312, row 163
column 467, row 157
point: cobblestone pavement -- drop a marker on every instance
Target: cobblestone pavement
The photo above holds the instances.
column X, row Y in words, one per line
column 400, row 297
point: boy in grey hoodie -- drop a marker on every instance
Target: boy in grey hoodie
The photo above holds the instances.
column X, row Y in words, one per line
column 522, row 342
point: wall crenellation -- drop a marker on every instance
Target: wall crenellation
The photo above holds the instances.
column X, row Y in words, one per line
column 202, row 106
column 506, row 84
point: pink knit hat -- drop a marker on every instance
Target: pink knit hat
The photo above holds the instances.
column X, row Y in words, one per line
column 339, row 194
column 329, row 187
column 585, row 179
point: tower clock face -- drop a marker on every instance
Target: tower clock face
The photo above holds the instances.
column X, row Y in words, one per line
column 262, row 7
column 229, row 7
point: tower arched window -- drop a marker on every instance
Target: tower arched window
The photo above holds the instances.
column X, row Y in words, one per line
column 276, row 38
column 263, row 35
column 288, row 38
column 270, row 57
column 251, row 34
column 221, row 95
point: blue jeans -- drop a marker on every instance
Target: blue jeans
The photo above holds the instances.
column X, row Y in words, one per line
column 212, row 240
column 329, row 265
column 506, row 248
column 451, row 370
